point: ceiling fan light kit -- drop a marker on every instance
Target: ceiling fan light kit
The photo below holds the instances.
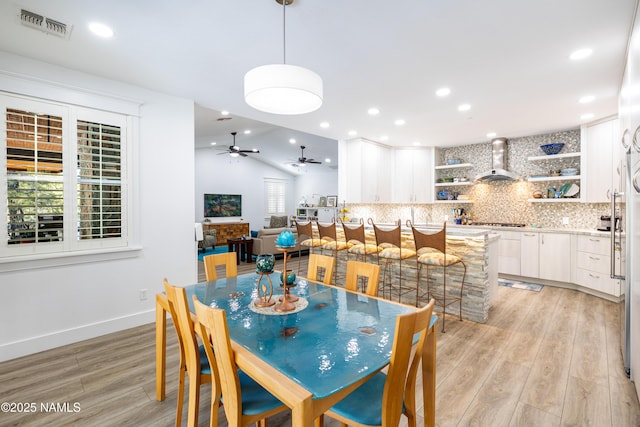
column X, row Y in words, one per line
column 235, row 151
column 282, row 88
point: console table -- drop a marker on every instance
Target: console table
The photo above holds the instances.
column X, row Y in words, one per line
column 228, row 230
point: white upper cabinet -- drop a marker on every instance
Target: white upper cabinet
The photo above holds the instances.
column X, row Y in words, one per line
column 367, row 172
column 412, row 180
column 601, row 161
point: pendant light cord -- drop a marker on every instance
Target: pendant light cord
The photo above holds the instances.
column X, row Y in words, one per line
column 284, row 31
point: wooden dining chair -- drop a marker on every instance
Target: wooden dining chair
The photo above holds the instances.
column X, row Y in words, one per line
column 227, row 259
column 329, row 235
column 431, row 250
column 357, row 241
column 306, row 239
column 320, row 262
column 385, row 397
column 245, row 401
column 389, row 240
column 362, row 270
column 193, row 358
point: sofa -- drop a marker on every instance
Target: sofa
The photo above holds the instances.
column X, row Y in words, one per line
column 265, row 241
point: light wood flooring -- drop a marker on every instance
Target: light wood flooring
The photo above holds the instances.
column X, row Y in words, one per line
column 544, row 359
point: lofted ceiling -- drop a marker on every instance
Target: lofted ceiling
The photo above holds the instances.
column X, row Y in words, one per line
column 508, row 60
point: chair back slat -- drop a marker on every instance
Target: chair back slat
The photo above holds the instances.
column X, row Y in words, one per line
column 327, row 231
column 227, row 259
column 387, row 236
column 316, row 262
column 352, row 234
column 357, row 270
column 400, row 382
column 304, row 229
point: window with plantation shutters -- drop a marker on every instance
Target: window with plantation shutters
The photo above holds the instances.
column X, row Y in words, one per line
column 275, row 196
column 65, row 187
column 99, row 181
column 35, row 186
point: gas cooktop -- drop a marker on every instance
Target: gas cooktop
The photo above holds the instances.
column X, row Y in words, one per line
column 500, row 224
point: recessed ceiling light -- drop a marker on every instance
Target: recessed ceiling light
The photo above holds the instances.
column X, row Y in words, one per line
column 352, row 133
column 587, row 98
column 100, row 30
column 373, row 111
column 324, row 125
column 384, row 138
column 586, row 116
column 464, row 107
column 580, row 54
column 292, row 141
column 247, row 132
column 399, row 122
column 328, row 160
column 491, row 135
column 213, row 143
column 443, row 91
column 224, row 112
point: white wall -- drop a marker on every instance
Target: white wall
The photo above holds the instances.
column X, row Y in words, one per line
column 52, row 306
column 223, row 174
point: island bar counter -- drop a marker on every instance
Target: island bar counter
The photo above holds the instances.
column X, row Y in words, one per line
column 478, row 248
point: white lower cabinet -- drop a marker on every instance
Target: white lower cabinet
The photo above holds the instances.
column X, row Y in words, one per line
column 555, row 257
column 529, row 255
column 593, row 265
column 509, row 252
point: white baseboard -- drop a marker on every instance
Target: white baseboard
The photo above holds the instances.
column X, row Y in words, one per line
column 58, row 339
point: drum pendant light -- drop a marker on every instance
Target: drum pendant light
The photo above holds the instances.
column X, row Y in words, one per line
column 281, row 88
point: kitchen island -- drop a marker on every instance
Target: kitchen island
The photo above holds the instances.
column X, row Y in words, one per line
column 478, row 249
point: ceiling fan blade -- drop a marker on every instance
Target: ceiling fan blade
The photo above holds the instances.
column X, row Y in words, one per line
column 315, row 162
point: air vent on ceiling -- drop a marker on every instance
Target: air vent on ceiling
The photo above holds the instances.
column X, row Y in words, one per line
column 44, row 24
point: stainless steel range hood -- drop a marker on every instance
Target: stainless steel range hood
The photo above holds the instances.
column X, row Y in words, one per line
column 498, row 170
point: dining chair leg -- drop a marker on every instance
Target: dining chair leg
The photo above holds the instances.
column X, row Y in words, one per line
column 181, row 374
column 194, row 398
column 444, row 297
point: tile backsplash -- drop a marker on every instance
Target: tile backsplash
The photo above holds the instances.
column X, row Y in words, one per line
column 500, row 201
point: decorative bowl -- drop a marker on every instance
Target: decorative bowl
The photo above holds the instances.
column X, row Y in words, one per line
column 265, row 263
column 553, row 148
column 453, row 162
column 443, row 195
column 291, row 278
column 286, row 239
column 569, row 171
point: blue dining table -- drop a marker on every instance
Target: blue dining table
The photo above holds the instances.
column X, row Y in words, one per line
column 313, row 357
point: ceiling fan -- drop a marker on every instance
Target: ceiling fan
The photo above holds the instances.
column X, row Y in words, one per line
column 235, row 151
column 302, row 160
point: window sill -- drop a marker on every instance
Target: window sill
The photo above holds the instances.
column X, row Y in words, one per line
column 30, row 262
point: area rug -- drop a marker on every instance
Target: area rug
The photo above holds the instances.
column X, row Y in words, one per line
column 209, row 251
column 520, row 285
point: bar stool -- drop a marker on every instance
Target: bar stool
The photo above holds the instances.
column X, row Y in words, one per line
column 432, row 251
column 306, row 230
column 329, row 235
column 389, row 241
column 357, row 241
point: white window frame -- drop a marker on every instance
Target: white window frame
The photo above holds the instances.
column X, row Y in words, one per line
column 270, row 185
column 72, row 250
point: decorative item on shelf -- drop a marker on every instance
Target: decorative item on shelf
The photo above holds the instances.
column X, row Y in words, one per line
column 286, row 239
column 443, row 195
column 569, row 172
column 553, row 148
column 265, row 263
column 453, row 161
column 332, row 201
column 537, row 194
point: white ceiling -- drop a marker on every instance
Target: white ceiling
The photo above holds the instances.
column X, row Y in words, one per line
column 508, row 59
